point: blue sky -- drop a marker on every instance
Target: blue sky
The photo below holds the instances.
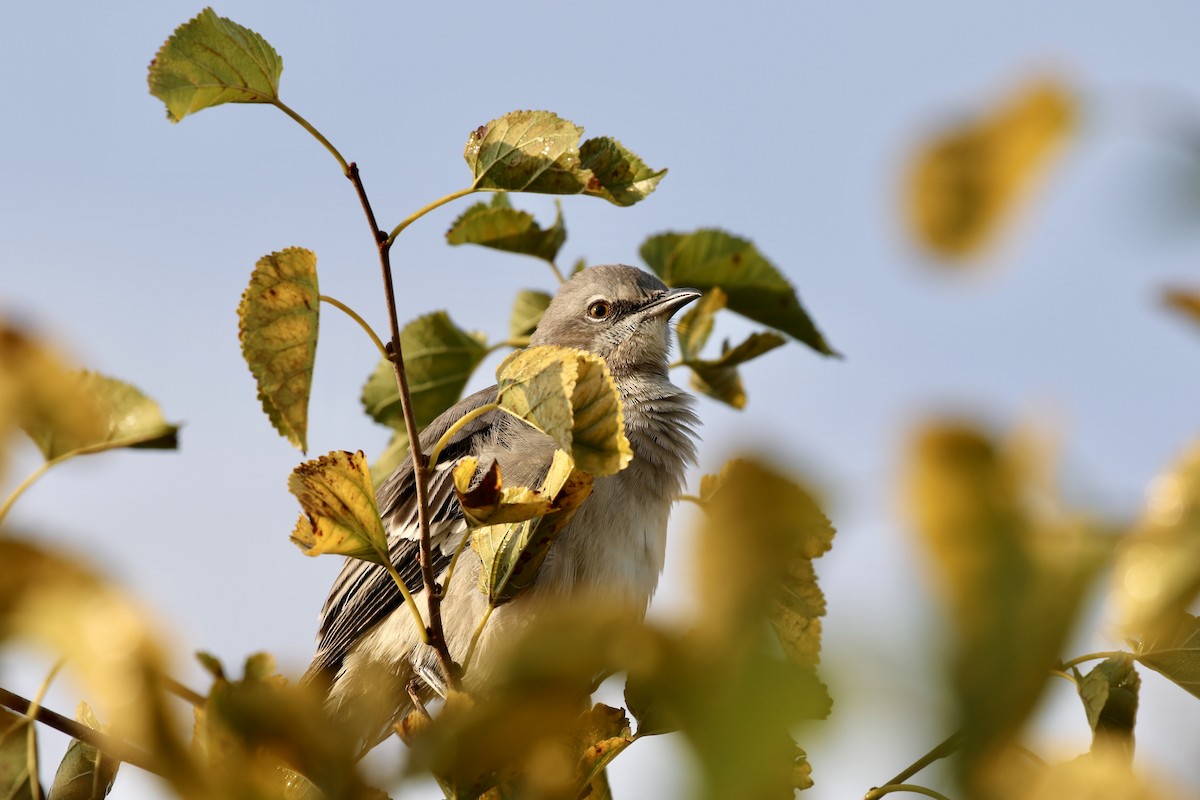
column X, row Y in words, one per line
column 130, row 240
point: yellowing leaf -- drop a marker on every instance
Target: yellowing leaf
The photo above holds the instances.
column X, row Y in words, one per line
column 527, row 313
column 1175, row 654
column 1185, row 301
column 501, row 227
column 1157, row 574
column 570, row 396
column 754, row 287
column 695, row 326
column 340, row 515
column 278, row 321
column 719, row 378
column 537, row 151
column 14, row 755
column 606, row 735
column 439, row 357
column 491, row 502
column 212, row 60
column 966, row 183
column 512, row 553
column 118, row 415
column 84, row 773
column 619, row 176
column 1012, row 578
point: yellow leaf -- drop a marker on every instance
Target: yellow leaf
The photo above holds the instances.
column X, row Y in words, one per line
column 966, row 183
column 491, row 502
column 278, row 321
column 340, row 514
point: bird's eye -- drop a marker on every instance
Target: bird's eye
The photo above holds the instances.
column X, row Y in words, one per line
column 599, row 309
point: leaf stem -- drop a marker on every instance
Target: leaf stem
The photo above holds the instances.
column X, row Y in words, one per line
column 516, row 344
column 435, row 634
column 462, row 545
column 557, row 272
column 179, row 690
column 475, row 637
column 101, row 741
column 905, row 787
column 950, row 745
column 316, row 133
column 25, row 484
column 352, row 314
column 420, row 212
column 459, row 424
column 409, row 600
column 1074, row 662
column 691, row 498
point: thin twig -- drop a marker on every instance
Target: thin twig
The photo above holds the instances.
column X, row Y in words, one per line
column 952, row 743
column 119, row 750
column 179, row 690
column 383, row 243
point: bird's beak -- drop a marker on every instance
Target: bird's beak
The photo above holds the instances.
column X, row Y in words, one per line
column 666, row 304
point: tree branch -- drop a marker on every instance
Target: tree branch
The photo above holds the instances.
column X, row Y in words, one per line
column 109, row 745
column 435, row 633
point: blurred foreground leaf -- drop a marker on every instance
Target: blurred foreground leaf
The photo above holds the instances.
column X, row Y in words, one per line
column 966, row 183
column 439, row 357
column 501, row 227
column 1012, row 580
column 1185, row 301
column 753, row 286
column 538, row 151
column 84, row 773
column 570, row 396
column 15, row 780
column 1175, row 654
column 212, row 60
column 340, row 514
column 278, row 322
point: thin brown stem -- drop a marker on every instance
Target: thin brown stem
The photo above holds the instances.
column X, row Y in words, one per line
column 109, row 745
column 179, row 690
column 434, row 633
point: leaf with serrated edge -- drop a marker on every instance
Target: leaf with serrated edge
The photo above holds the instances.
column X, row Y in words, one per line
column 720, row 379
column 439, row 357
column 14, row 755
column 598, row 442
column 753, row 286
column 84, row 773
column 527, row 312
column 278, row 322
column 512, row 554
column 1176, row 654
column 121, row 415
column 527, row 151
column 501, row 227
column 490, row 502
column 1157, row 573
column 618, row 175
column 695, row 326
column 966, row 183
column 340, row 515
column 212, row 60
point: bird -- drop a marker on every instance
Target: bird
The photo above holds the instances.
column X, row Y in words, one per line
column 369, row 646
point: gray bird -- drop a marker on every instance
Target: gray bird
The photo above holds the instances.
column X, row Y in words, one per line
column 369, row 648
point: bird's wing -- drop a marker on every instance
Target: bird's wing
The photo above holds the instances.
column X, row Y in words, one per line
column 364, row 594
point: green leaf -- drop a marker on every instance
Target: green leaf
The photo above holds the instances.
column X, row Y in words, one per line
column 512, row 553
column 501, row 227
column 392, row 457
column 84, row 773
column 537, row 151
column 527, row 313
column 754, row 288
column 278, row 321
column 619, row 176
column 1110, row 698
column 212, row 60
column 340, row 514
column 569, row 395
column 695, row 326
column 720, row 379
column 1012, row 578
column 1176, row 654
column 439, row 357
column 15, row 781
column 118, row 415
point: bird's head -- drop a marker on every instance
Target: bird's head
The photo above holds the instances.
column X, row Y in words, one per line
column 618, row 312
